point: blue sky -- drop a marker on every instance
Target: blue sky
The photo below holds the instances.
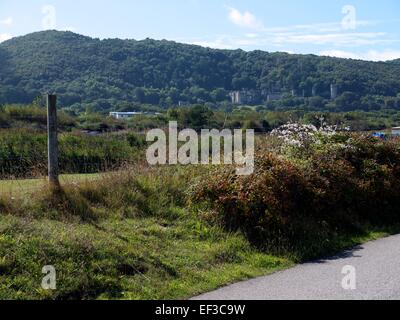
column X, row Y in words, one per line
column 361, row 29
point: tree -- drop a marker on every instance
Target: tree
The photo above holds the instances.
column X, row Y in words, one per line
column 196, row 118
column 219, row 95
column 140, row 95
column 348, row 101
column 316, row 102
column 85, row 70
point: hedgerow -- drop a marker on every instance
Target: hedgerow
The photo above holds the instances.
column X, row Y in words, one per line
column 301, row 198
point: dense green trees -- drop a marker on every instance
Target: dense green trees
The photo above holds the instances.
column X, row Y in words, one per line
column 105, row 74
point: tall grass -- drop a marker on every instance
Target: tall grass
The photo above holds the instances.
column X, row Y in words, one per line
column 31, row 116
column 126, row 235
column 23, row 153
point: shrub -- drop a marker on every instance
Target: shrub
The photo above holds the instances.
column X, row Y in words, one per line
column 296, row 204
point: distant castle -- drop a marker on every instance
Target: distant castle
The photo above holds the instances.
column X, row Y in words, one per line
column 241, row 97
column 253, row 96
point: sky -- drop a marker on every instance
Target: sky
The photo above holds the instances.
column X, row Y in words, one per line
column 359, row 29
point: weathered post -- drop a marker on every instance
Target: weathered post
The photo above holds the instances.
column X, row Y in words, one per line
column 52, row 141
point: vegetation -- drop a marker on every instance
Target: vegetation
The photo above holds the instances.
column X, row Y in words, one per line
column 177, row 231
column 313, row 188
column 23, row 152
column 31, row 116
column 94, row 142
column 132, row 234
column 127, row 235
column 91, row 75
column 129, row 231
column 25, row 187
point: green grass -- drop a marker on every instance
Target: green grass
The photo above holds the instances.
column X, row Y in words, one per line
column 144, row 258
column 19, row 187
column 23, row 152
column 131, row 259
column 129, row 235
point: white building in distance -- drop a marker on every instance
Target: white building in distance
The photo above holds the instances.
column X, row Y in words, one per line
column 127, row 115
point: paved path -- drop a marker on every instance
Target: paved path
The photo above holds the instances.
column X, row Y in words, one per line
column 377, row 266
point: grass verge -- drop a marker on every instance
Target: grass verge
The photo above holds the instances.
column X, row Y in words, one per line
column 121, row 236
column 128, row 235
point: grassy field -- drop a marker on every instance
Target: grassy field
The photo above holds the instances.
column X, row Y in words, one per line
column 20, row 187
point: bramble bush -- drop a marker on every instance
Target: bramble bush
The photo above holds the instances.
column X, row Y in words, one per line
column 297, row 202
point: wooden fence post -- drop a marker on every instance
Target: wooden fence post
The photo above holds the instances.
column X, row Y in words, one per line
column 52, row 141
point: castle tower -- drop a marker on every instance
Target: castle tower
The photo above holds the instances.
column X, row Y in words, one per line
column 314, row 90
column 334, row 91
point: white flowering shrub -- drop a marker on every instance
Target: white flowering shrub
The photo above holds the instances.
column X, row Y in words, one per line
column 302, row 141
column 303, row 135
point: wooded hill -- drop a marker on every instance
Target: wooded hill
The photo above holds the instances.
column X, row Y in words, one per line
column 114, row 74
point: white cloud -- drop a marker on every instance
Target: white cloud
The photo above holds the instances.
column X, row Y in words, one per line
column 4, row 37
column 383, row 55
column 330, row 38
column 371, row 55
column 322, row 34
column 71, row 29
column 319, row 27
column 339, row 54
column 49, row 21
column 7, row 22
column 219, row 43
column 386, row 55
column 336, row 39
column 252, row 35
column 245, row 19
